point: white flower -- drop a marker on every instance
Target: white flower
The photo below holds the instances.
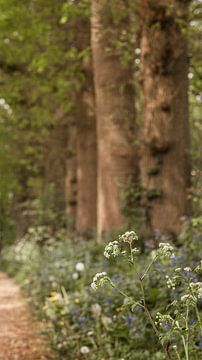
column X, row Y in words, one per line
column 196, row 288
column 96, row 310
column 84, row 350
column 172, row 282
column 164, row 318
column 199, row 267
column 99, row 280
column 90, row 333
column 75, row 276
column 112, row 249
column 189, row 299
column 187, row 269
column 80, row 267
column 129, row 237
column 165, row 250
column 106, row 320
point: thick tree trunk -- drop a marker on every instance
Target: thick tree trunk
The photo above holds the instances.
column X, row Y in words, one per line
column 86, row 218
column 71, row 180
column 115, row 115
column 86, row 161
column 54, row 160
column 165, row 164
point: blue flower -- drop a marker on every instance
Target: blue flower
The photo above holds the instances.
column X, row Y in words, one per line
column 81, row 320
column 158, row 266
column 108, row 301
column 192, row 321
column 166, row 327
column 129, row 320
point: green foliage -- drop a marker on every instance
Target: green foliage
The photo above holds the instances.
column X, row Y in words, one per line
column 154, row 193
column 40, row 72
column 57, row 277
column 176, row 329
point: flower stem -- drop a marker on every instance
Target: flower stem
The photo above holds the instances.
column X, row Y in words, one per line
column 148, row 268
column 176, row 352
column 185, row 347
column 131, row 253
column 187, row 335
column 199, row 318
column 165, row 348
column 147, row 312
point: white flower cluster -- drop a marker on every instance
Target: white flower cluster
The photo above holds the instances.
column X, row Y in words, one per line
column 80, row 267
column 162, row 319
column 199, row 267
column 196, row 288
column 189, row 300
column 129, row 237
column 172, row 282
column 165, row 251
column 99, row 280
column 135, row 251
column 96, row 310
column 112, row 249
column 187, row 269
column 84, row 350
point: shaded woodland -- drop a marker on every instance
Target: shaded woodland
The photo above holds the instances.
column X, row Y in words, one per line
column 95, row 113
column 100, row 141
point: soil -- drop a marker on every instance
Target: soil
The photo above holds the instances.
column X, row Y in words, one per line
column 20, row 337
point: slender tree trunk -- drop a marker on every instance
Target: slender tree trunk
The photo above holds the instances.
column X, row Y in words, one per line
column 165, row 163
column 71, row 180
column 115, row 113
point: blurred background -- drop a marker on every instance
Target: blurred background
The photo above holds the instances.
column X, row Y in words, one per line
column 100, row 132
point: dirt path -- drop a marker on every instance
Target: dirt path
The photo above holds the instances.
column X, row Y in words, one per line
column 18, row 331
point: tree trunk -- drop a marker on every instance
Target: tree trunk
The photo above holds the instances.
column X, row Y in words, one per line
column 165, row 163
column 54, row 160
column 115, row 114
column 71, row 180
column 86, row 138
column 86, row 161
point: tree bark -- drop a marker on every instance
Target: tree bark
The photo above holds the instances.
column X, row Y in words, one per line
column 71, row 180
column 54, row 160
column 115, row 114
column 165, row 163
column 86, row 160
column 86, row 218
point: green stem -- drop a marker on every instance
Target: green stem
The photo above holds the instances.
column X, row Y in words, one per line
column 148, row 268
column 147, row 312
column 131, row 253
column 185, row 348
column 187, row 330
column 122, row 293
column 183, row 341
column 143, row 293
column 176, row 352
column 199, row 318
column 165, row 348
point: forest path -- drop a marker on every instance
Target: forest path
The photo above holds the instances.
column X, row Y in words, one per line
column 18, row 330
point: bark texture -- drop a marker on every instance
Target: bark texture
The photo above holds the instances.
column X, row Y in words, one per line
column 86, row 140
column 115, row 113
column 165, row 163
column 55, row 159
column 71, row 179
column 86, row 162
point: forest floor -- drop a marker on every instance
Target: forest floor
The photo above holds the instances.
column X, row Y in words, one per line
column 20, row 337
